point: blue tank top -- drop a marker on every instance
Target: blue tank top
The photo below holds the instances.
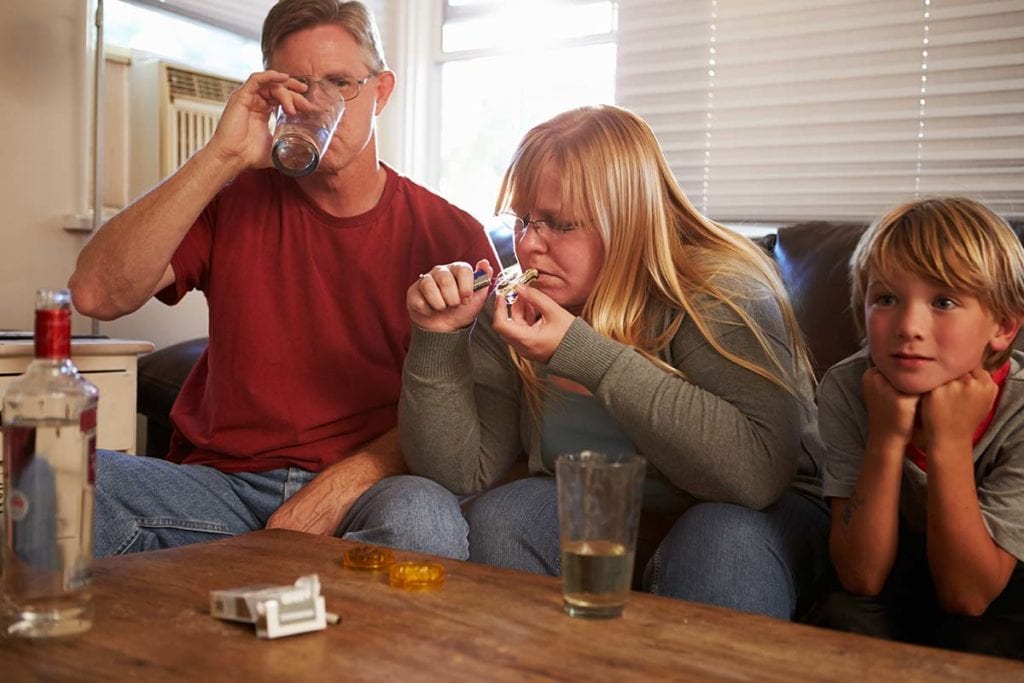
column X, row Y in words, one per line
column 572, row 422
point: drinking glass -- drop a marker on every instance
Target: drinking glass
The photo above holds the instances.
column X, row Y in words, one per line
column 301, row 139
column 599, row 501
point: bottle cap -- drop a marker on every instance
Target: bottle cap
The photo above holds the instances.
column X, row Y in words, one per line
column 369, row 558
column 416, row 575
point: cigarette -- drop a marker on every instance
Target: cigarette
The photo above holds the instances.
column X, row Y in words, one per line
column 332, row 618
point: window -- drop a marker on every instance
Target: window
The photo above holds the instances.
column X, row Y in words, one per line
column 505, row 66
column 181, row 40
column 782, row 110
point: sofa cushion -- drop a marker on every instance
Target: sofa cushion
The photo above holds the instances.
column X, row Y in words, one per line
column 814, row 261
column 161, row 375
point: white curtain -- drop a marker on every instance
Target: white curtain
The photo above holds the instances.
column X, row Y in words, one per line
column 780, row 110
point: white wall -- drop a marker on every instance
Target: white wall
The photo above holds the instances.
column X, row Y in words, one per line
column 43, row 163
column 45, row 74
column 45, row 168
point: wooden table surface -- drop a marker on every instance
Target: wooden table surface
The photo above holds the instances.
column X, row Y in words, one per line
column 485, row 624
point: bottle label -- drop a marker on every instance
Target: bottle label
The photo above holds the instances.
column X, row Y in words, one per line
column 19, row 506
column 53, row 333
column 87, row 423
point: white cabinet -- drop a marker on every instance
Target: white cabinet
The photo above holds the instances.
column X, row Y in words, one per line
column 110, row 364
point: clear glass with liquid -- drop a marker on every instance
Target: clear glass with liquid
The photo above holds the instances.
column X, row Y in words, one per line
column 49, row 449
column 599, row 502
column 596, row 576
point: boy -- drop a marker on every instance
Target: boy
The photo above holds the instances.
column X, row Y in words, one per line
column 925, row 434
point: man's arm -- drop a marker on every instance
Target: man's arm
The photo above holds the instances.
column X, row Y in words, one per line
column 321, row 505
column 128, row 260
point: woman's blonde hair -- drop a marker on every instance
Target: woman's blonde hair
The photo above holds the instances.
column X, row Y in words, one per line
column 954, row 242
column 662, row 257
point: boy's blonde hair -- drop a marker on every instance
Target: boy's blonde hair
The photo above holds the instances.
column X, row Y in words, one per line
column 661, row 255
column 953, row 242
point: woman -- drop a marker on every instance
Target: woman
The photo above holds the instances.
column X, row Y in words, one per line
column 649, row 329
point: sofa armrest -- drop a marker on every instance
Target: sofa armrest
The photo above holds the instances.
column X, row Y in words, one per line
column 161, row 375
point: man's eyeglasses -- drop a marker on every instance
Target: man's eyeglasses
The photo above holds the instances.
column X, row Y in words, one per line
column 335, row 88
column 545, row 229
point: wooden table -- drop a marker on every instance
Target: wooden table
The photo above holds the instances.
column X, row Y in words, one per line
column 485, row 624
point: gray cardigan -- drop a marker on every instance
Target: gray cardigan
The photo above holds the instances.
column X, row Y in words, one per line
column 722, row 434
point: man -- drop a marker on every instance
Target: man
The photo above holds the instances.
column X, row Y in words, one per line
column 288, row 418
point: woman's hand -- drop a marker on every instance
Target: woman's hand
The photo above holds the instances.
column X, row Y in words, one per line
column 537, row 325
column 443, row 300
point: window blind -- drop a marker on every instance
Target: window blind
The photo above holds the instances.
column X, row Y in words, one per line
column 782, row 110
column 244, row 17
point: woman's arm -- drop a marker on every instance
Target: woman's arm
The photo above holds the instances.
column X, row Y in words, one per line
column 458, row 414
column 722, row 433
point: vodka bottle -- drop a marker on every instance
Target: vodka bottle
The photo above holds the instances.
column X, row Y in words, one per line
column 49, row 438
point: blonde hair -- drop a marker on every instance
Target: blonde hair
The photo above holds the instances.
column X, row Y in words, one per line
column 288, row 16
column 661, row 255
column 954, row 242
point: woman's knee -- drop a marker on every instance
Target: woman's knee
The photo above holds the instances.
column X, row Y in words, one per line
column 412, row 513
column 726, row 555
column 408, row 499
column 516, row 526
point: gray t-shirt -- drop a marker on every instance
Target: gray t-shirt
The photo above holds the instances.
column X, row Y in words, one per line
column 998, row 454
column 722, row 434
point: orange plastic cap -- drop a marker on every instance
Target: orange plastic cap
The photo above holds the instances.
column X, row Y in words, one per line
column 416, row 575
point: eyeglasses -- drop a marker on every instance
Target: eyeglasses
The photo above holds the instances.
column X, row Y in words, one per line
column 549, row 231
column 335, row 87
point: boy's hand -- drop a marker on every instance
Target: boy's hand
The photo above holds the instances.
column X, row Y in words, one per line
column 952, row 412
column 890, row 413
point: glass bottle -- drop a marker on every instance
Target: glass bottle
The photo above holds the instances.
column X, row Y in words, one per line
column 49, row 450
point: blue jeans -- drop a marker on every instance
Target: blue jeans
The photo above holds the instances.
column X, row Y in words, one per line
column 146, row 504
column 766, row 561
column 907, row 608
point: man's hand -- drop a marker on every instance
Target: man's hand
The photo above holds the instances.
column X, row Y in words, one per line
column 537, row 326
column 443, row 300
column 951, row 413
column 243, row 135
column 321, row 505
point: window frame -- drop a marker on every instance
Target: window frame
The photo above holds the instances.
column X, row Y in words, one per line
column 419, row 32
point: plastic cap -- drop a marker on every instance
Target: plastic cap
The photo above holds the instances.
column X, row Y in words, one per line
column 416, row 575
column 367, row 557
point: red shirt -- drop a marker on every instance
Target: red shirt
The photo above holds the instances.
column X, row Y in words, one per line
column 308, row 326
column 920, row 458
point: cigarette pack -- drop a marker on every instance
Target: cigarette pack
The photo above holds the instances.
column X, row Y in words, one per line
column 276, row 610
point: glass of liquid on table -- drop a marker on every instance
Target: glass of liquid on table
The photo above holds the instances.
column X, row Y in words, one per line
column 599, row 501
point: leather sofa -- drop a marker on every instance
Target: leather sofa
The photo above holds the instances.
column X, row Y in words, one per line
column 812, row 258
